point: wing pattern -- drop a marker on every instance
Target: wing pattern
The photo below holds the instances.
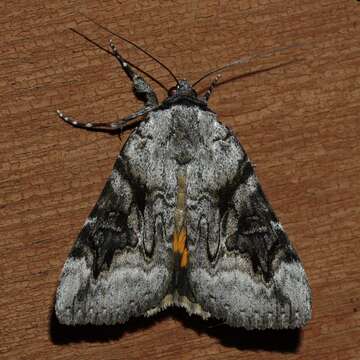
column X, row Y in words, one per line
column 182, row 220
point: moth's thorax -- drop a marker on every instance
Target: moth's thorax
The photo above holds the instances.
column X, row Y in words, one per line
column 183, row 137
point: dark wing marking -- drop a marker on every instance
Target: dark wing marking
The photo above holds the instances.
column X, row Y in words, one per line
column 118, row 267
column 242, row 268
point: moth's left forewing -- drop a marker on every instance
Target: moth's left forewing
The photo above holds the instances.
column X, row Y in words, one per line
column 242, row 267
column 120, row 265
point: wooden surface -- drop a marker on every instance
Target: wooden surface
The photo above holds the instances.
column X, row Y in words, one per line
column 299, row 124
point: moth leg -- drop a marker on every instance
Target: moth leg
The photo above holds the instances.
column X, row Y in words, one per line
column 100, row 126
column 141, row 88
column 211, row 88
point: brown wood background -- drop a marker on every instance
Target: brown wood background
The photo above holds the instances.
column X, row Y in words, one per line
column 299, row 124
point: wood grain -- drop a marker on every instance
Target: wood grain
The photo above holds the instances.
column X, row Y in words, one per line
column 299, row 123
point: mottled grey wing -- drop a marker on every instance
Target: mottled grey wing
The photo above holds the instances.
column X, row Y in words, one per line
column 118, row 267
column 242, row 268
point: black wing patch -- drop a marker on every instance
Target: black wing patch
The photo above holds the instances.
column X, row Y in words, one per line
column 256, row 279
column 112, row 272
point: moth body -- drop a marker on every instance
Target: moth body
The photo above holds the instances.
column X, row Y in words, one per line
column 182, row 220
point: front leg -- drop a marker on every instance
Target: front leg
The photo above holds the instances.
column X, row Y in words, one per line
column 107, row 127
column 141, row 88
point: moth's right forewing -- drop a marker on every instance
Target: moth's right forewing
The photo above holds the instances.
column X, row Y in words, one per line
column 242, row 267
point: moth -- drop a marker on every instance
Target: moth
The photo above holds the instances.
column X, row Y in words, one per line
column 182, row 220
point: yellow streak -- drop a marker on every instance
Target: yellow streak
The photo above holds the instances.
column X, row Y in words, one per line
column 179, row 246
column 181, row 240
column 175, row 242
column 180, row 234
column 184, row 258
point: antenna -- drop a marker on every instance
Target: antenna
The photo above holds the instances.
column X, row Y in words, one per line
column 133, row 44
column 109, row 52
column 243, row 60
column 239, row 61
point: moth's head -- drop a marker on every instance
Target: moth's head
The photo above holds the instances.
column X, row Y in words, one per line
column 183, row 88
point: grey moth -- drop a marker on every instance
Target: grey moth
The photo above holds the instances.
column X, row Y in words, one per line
column 181, row 221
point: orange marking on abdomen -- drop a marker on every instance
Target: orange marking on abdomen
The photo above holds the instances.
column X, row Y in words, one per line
column 184, row 258
column 180, row 233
